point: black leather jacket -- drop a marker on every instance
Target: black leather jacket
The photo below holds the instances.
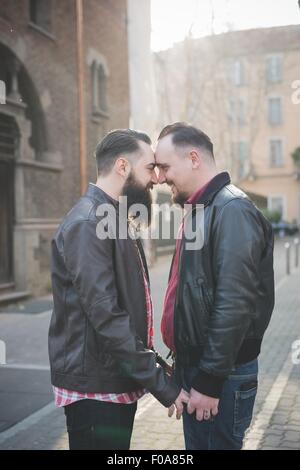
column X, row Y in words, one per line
column 98, row 330
column 225, row 294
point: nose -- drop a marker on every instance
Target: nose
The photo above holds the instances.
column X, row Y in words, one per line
column 154, row 179
column 161, row 177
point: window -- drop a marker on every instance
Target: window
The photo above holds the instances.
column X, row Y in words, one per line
column 241, row 112
column 40, row 14
column 231, row 110
column 274, row 111
column 99, row 73
column 238, row 73
column 241, row 157
column 99, row 87
column 276, row 153
column 274, row 68
column 237, row 112
column 277, row 204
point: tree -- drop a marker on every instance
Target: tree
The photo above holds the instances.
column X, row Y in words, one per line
column 296, row 154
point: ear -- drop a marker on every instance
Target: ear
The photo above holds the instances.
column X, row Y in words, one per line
column 195, row 159
column 122, row 167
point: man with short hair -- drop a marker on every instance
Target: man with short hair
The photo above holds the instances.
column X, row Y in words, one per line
column 101, row 331
column 219, row 298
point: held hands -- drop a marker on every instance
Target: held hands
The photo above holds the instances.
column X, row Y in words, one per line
column 205, row 407
column 183, row 397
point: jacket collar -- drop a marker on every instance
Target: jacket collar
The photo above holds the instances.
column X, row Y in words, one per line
column 213, row 187
column 94, row 192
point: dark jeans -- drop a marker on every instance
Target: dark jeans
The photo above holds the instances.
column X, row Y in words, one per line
column 95, row 425
column 227, row 430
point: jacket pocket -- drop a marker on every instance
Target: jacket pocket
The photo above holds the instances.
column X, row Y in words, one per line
column 193, row 318
column 243, row 408
column 205, row 294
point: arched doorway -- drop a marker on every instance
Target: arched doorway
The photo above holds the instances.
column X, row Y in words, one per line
column 9, row 137
column 23, row 153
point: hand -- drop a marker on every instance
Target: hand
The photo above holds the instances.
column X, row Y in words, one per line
column 183, row 397
column 204, row 406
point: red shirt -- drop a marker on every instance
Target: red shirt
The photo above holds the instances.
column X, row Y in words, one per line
column 167, row 321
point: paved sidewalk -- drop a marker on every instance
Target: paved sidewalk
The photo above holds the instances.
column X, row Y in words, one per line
column 276, row 423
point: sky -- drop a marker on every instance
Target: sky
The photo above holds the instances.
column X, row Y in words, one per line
column 172, row 20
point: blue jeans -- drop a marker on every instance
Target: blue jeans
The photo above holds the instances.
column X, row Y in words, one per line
column 225, row 431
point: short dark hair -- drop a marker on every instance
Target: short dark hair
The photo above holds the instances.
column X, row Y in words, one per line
column 185, row 134
column 115, row 143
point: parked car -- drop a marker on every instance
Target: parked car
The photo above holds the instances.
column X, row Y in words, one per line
column 284, row 228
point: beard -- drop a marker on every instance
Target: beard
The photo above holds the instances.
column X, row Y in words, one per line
column 180, row 198
column 136, row 193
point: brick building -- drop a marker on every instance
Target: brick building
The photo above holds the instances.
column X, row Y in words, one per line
column 40, row 121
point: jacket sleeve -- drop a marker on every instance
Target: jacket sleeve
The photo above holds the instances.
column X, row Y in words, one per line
column 90, row 263
column 238, row 243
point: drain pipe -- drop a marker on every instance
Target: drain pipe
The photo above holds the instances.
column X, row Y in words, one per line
column 81, row 101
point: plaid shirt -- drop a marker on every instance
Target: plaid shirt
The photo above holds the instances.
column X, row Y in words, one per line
column 65, row 397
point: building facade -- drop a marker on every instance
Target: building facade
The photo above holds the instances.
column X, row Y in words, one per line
column 242, row 89
column 40, row 121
